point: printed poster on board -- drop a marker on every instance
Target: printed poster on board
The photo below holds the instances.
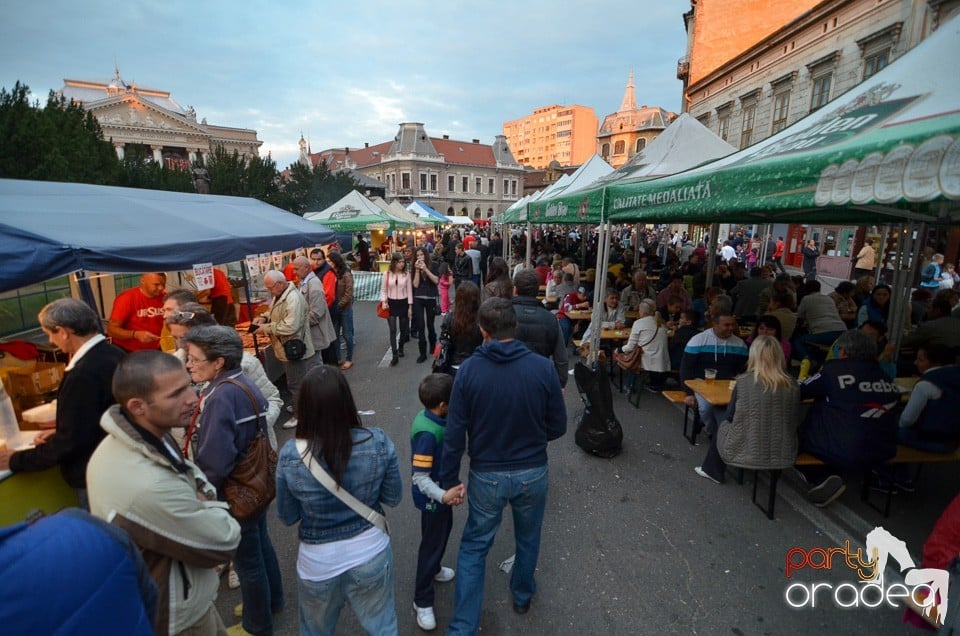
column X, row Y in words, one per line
column 203, row 276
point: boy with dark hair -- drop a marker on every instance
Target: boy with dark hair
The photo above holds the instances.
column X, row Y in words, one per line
column 436, row 515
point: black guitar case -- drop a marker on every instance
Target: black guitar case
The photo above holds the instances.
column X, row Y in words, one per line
column 598, row 432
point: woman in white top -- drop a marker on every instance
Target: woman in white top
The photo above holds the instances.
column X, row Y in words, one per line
column 649, row 333
column 396, row 294
column 343, row 558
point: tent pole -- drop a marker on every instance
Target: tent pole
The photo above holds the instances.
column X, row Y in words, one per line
column 526, row 258
column 712, row 254
column 881, row 252
column 246, row 291
column 86, row 295
column 907, row 263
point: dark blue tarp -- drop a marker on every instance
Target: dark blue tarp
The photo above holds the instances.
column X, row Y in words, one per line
column 53, row 229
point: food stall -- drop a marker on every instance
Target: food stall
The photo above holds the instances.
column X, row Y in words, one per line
column 50, row 230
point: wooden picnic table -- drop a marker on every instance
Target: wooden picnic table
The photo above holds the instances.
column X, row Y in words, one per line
column 619, row 335
column 580, row 314
column 716, row 393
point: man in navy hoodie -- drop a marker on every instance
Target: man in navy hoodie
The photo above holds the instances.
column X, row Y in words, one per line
column 505, row 406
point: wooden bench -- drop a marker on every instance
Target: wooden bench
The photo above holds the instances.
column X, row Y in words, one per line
column 679, row 397
column 905, row 455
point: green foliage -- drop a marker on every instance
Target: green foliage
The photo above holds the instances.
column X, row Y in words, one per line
column 314, row 190
column 59, row 142
column 138, row 170
column 232, row 175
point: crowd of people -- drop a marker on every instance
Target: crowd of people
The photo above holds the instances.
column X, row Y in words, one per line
column 150, row 438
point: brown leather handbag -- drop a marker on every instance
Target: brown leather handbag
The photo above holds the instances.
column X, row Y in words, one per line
column 253, row 483
column 630, row 361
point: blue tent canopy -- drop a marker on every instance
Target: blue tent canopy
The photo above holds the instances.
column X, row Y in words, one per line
column 53, row 229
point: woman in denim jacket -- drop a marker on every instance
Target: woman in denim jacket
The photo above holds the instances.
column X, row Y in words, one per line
column 342, row 557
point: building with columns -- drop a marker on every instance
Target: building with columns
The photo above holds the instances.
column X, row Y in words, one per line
column 628, row 131
column 132, row 114
column 464, row 178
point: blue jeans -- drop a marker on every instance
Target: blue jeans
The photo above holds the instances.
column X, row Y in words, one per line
column 346, row 329
column 369, row 590
column 488, row 494
column 261, row 588
column 710, row 416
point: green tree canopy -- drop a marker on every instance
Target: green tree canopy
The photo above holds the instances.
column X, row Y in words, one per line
column 312, row 190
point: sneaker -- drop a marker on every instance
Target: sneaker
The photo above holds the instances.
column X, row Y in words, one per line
column 238, row 610
column 289, row 408
column 425, row 618
column 291, row 423
column 827, row 491
column 233, row 581
column 237, row 630
column 705, row 474
column 445, row 575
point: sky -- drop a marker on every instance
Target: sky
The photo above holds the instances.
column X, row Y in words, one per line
column 347, row 73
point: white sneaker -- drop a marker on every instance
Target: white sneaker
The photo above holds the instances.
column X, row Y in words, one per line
column 445, row 575
column 425, row 618
column 291, row 423
column 233, row 581
column 704, row 474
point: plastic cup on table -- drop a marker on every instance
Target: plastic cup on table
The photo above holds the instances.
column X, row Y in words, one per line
column 710, row 375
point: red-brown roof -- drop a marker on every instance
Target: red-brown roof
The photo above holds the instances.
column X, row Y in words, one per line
column 455, row 152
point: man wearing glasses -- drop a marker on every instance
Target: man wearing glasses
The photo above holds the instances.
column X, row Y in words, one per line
column 289, row 319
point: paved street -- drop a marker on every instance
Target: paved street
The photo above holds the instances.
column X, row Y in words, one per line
column 634, row 545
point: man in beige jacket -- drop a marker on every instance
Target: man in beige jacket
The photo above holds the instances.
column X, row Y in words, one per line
column 289, row 319
column 137, row 480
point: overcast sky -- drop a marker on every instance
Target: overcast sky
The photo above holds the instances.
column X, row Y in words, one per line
column 346, row 73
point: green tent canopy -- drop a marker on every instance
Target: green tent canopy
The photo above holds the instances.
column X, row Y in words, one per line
column 355, row 212
column 886, row 151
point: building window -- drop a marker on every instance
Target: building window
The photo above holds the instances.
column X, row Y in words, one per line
column 821, row 91
column 489, row 213
column 19, row 307
column 506, row 186
column 451, row 183
column 489, row 186
column 605, row 150
column 746, row 127
column 404, row 180
column 423, row 182
column 513, row 187
column 723, row 126
column 641, row 144
column 781, row 107
column 464, row 184
column 875, row 63
column 433, row 182
column 477, row 183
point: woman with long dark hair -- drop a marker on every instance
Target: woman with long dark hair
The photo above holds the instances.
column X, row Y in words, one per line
column 461, row 326
column 345, row 306
column 876, row 307
column 425, row 279
column 396, row 295
column 343, row 557
column 498, row 281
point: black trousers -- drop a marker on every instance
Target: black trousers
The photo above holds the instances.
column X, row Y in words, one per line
column 424, row 317
column 435, row 530
column 330, row 354
column 398, row 311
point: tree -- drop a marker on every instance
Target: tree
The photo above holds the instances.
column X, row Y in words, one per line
column 232, row 175
column 60, row 142
column 312, row 190
column 139, row 170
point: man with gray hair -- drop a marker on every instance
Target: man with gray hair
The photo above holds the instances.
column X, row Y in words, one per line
column 288, row 320
column 321, row 323
column 84, row 394
column 852, row 424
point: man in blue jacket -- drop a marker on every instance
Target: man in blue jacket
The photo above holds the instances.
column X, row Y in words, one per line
column 505, row 406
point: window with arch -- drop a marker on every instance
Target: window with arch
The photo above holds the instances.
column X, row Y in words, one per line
column 489, row 212
column 619, row 147
column 450, row 210
column 605, row 150
column 476, row 213
column 641, row 144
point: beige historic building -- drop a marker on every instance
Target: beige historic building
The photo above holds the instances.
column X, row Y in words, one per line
column 628, row 131
column 751, row 73
column 132, row 114
column 565, row 134
column 465, row 178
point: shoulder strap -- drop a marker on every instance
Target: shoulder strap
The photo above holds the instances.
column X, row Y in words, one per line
column 362, row 509
column 253, row 401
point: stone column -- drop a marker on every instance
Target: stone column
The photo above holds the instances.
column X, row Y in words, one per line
column 118, row 146
column 157, row 154
column 192, row 156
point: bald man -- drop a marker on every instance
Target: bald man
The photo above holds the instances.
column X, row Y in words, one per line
column 136, row 320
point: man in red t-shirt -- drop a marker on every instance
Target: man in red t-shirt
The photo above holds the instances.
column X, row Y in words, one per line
column 136, row 320
column 468, row 240
column 778, row 255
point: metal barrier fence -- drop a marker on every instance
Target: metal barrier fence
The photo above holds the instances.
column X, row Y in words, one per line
column 366, row 285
